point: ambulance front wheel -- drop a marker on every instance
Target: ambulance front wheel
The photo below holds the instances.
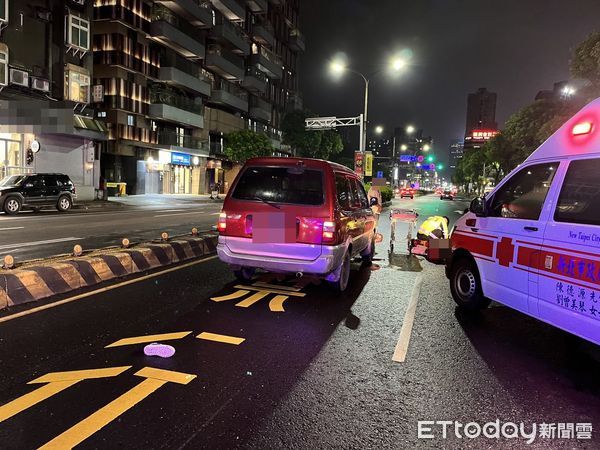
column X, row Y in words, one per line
column 465, row 285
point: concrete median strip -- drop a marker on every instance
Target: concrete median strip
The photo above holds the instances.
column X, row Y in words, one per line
column 41, row 279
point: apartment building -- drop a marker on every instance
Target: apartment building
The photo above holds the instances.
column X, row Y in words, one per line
column 46, row 95
column 178, row 75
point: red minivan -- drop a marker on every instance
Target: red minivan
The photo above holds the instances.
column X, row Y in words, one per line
column 297, row 216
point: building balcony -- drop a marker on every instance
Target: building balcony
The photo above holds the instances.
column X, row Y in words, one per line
column 230, row 95
column 181, row 143
column 232, row 34
column 266, row 61
column 177, row 77
column 260, row 109
column 257, row 6
column 188, row 43
column 263, row 33
column 234, row 10
column 296, row 41
column 227, row 65
column 255, row 81
column 172, row 107
column 197, row 12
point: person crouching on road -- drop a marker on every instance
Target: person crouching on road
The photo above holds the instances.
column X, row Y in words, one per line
column 435, row 227
column 435, row 231
column 374, row 192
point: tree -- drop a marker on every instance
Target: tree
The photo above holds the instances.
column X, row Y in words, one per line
column 295, row 135
column 244, row 144
column 331, row 144
column 585, row 63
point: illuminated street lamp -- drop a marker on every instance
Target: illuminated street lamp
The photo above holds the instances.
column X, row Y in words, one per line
column 395, row 66
column 426, row 147
column 410, row 129
column 404, row 147
column 378, row 129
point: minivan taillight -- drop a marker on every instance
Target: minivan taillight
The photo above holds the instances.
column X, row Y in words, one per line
column 222, row 222
column 328, row 232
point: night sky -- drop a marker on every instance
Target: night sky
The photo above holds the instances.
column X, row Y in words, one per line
column 512, row 47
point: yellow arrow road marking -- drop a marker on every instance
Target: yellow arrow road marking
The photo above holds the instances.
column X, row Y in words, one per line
column 57, row 382
column 235, row 295
column 155, row 378
column 272, row 291
column 220, row 338
column 33, row 398
column 275, row 286
column 252, row 299
column 276, row 305
column 149, row 338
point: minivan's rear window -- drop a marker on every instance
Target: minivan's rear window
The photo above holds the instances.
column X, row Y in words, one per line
column 281, row 185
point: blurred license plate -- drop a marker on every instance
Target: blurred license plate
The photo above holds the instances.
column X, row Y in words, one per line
column 273, row 228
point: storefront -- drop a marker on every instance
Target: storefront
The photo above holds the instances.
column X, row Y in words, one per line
column 12, row 153
column 173, row 173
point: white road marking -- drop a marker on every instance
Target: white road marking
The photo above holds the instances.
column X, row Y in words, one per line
column 407, row 325
column 11, row 228
column 459, row 212
column 179, row 214
column 169, row 210
column 33, row 244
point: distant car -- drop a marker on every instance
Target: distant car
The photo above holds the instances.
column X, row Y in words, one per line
column 34, row 191
column 407, row 192
column 447, row 194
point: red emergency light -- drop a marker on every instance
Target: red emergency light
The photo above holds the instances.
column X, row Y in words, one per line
column 582, row 128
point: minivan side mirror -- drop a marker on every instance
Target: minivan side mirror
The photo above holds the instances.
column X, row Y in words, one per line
column 478, row 207
column 373, row 201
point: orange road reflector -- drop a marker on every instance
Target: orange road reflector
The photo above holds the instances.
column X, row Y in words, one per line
column 77, row 250
column 9, row 262
column 164, row 236
column 125, row 243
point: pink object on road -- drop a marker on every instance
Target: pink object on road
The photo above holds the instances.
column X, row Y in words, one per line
column 162, row 350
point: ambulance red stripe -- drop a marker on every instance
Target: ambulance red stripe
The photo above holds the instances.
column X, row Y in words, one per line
column 472, row 243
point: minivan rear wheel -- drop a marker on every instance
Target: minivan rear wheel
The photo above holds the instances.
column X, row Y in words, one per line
column 465, row 286
column 245, row 274
column 344, row 275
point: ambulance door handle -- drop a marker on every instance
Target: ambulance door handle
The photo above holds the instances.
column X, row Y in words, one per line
column 474, row 230
column 530, row 228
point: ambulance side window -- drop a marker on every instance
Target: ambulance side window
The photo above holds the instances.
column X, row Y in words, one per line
column 579, row 198
column 523, row 196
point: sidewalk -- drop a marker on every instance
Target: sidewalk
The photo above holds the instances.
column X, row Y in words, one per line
column 147, row 200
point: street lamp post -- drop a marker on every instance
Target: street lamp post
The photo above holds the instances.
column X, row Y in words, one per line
column 338, row 68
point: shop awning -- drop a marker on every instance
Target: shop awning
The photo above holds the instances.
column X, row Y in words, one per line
column 90, row 127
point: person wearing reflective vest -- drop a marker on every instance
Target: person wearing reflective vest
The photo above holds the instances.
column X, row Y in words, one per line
column 435, row 227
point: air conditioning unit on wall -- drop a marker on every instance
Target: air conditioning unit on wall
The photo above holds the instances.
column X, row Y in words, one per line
column 19, row 77
column 40, row 84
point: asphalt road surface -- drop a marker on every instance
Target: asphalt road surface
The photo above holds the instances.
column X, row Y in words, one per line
column 319, row 374
column 32, row 235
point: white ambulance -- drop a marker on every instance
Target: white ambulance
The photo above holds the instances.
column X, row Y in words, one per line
column 533, row 243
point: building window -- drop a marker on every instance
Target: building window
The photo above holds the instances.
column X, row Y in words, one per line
column 3, row 10
column 77, row 86
column 3, row 68
column 130, row 120
column 78, row 33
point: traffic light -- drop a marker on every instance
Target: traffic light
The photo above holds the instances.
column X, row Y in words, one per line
column 430, row 158
column 29, row 157
column 440, row 166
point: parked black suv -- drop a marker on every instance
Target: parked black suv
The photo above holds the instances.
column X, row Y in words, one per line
column 34, row 191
